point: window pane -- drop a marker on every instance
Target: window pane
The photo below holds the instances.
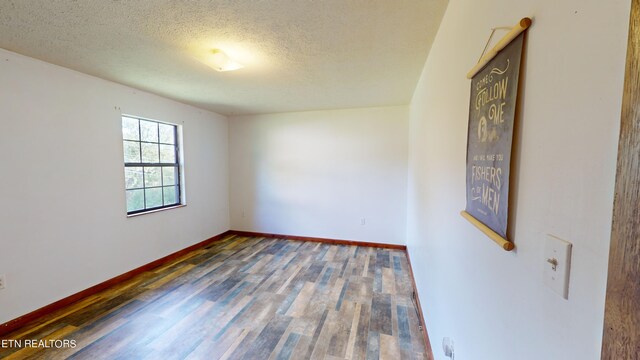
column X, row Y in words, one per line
column 167, row 134
column 168, row 176
column 135, row 200
column 131, row 151
column 152, row 176
column 170, row 195
column 150, row 153
column 148, row 142
column 130, row 129
column 153, row 197
column 167, row 154
column 133, row 177
column 149, row 131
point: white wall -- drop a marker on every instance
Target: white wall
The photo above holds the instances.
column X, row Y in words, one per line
column 318, row 173
column 493, row 303
column 63, row 224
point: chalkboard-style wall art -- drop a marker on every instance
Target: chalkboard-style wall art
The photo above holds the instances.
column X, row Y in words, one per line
column 492, row 110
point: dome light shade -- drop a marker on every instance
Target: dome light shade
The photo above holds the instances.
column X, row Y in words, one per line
column 220, row 61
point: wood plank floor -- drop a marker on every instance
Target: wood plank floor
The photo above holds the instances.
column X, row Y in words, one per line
column 245, row 298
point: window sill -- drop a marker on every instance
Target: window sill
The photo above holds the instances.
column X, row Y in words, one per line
column 157, row 210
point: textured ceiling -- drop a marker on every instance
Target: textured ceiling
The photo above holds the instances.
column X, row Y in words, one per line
column 298, row 54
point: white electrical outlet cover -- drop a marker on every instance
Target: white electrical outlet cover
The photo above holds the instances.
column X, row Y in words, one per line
column 558, row 279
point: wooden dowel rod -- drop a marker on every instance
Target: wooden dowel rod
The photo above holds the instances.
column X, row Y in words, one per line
column 512, row 34
column 502, row 242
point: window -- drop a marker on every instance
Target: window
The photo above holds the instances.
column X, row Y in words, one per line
column 151, row 164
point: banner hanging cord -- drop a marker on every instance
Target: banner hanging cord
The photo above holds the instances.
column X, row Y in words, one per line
column 493, row 31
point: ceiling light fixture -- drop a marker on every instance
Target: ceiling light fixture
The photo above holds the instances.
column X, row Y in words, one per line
column 220, row 61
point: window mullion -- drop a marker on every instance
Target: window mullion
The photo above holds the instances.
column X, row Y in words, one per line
column 162, row 183
column 144, row 188
column 177, row 167
column 144, row 192
column 150, row 164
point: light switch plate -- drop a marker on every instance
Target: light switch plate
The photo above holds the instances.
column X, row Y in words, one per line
column 557, row 251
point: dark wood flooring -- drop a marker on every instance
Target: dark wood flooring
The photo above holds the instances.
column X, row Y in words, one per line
column 244, row 298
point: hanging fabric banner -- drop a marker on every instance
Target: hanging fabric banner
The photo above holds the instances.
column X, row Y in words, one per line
column 492, row 109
